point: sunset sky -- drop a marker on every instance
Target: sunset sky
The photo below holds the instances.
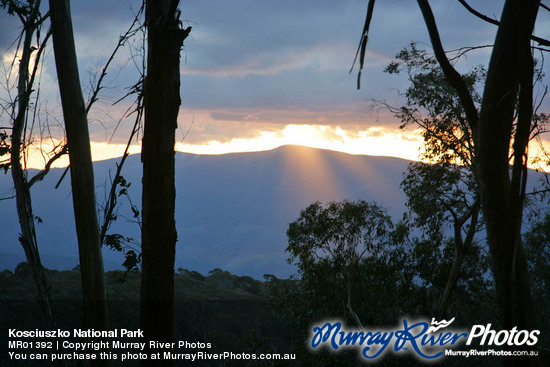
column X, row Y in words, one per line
column 259, row 74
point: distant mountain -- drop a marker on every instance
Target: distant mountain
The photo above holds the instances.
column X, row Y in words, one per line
column 232, row 210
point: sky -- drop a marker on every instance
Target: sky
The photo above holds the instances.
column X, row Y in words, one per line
column 259, row 74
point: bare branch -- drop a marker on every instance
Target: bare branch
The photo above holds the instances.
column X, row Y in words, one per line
column 361, row 49
column 40, row 175
column 121, row 41
column 111, row 199
column 38, row 58
column 8, row 198
column 43, row 18
column 464, row 50
column 454, row 78
column 62, row 177
column 540, row 41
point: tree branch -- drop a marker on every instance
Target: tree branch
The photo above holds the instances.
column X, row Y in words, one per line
column 361, row 49
column 540, row 41
column 454, row 78
column 40, row 175
column 474, row 212
column 350, row 309
column 111, row 200
column 129, row 33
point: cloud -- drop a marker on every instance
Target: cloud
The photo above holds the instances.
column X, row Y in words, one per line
column 254, row 67
column 371, row 141
column 320, row 58
column 223, row 125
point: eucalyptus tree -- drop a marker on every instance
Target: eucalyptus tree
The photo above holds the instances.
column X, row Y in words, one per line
column 161, row 105
column 348, row 255
column 441, row 193
column 21, row 113
column 25, row 115
column 82, row 174
column 501, row 128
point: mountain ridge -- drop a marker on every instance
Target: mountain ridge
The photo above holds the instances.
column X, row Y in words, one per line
column 232, row 210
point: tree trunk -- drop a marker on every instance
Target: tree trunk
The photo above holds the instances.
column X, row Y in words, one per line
column 23, row 196
column 451, row 283
column 82, row 175
column 162, row 102
column 461, row 246
column 502, row 196
column 502, row 193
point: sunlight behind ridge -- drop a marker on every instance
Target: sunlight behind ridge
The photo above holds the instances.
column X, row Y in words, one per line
column 317, row 182
column 377, row 141
column 374, row 141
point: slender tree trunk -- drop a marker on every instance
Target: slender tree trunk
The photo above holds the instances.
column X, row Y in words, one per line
column 162, row 102
column 23, row 196
column 461, row 246
column 82, row 174
column 502, row 196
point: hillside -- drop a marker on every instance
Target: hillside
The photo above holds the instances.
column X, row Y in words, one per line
column 232, row 210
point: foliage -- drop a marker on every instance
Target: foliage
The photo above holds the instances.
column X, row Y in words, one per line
column 115, row 241
column 500, row 125
column 343, row 233
column 17, row 7
column 433, row 104
column 436, row 193
column 537, row 246
column 444, row 206
column 443, row 196
column 224, row 309
column 5, row 148
column 352, row 264
column 356, row 265
column 351, row 250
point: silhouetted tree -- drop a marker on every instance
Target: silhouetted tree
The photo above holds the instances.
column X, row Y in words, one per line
column 32, row 19
column 502, row 125
column 443, row 192
column 161, row 101
column 82, row 175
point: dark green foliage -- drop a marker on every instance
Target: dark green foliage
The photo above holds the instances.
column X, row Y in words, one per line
column 442, row 197
column 5, row 148
column 353, row 266
column 433, row 105
column 356, row 266
column 17, row 7
column 537, row 249
column 115, row 241
column 444, row 212
column 230, row 312
column 131, row 260
column 341, row 233
column 436, row 192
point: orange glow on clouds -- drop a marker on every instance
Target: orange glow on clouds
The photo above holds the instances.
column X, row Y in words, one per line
column 372, row 141
column 375, row 141
column 100, row 151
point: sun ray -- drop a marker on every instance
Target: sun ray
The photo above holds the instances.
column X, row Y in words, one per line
column 309, row 176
